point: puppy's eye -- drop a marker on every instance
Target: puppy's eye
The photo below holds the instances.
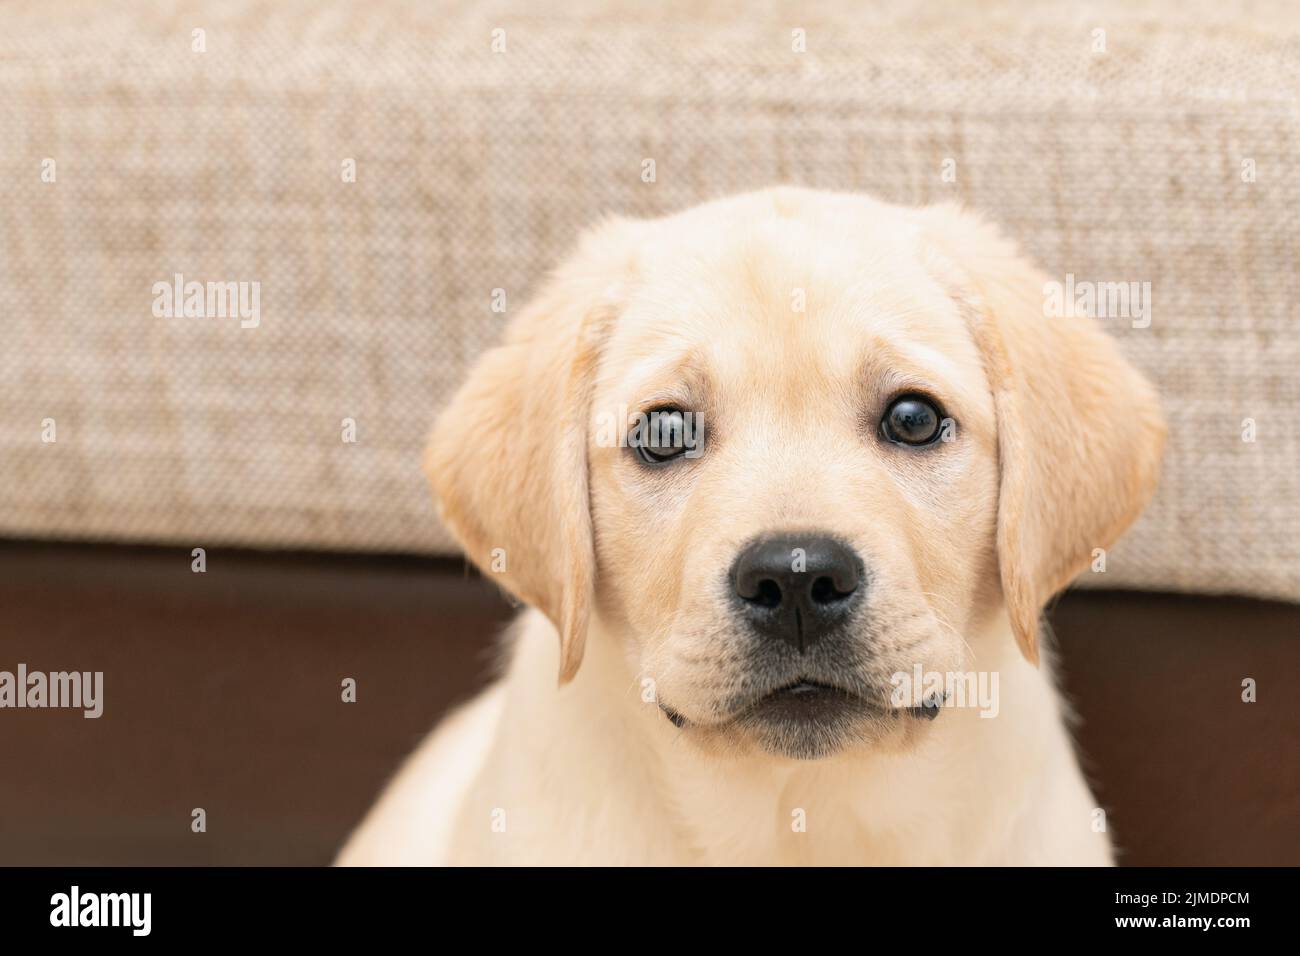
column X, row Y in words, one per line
column 662, row 435
column 911, row 420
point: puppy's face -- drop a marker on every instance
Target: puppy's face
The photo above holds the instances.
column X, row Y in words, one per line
column 787, row 446
column 816, row 509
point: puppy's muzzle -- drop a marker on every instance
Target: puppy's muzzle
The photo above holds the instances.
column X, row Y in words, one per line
column 797, row 588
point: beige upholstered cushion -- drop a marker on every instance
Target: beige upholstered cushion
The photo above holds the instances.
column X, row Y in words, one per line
column 475, row 170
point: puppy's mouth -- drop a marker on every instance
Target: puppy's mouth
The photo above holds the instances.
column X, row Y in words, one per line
column 806, row 702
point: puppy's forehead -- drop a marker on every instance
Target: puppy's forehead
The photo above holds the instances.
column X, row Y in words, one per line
column 789, row 291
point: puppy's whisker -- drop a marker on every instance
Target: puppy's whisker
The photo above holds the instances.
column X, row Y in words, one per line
column 938, row 616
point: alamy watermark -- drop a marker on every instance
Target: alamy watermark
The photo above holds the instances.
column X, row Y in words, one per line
column 77, row 908
column 210, row 300
column 1098, row 300
column 76, row 690
column 665, row 429
column 978, row 689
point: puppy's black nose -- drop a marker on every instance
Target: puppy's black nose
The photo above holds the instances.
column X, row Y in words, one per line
column 796, row 588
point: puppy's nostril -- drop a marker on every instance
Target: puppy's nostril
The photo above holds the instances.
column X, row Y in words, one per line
column 824, row 590
column 769, row 594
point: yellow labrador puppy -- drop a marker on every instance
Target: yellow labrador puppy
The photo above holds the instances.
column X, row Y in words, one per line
column 786, row 480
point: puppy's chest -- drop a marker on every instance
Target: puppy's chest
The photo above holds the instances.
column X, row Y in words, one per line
column 794, row 830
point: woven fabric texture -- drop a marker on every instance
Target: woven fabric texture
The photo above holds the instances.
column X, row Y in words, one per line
column 1116, row 141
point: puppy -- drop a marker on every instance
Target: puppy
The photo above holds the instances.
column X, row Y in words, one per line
column 784, row 478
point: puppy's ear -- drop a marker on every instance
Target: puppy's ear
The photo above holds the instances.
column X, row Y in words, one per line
column 508, row 456
column 1080, row 431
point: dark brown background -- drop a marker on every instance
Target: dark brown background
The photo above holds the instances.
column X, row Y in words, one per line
column 222, row 692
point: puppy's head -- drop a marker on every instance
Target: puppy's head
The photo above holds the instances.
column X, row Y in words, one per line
column 789, row 445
